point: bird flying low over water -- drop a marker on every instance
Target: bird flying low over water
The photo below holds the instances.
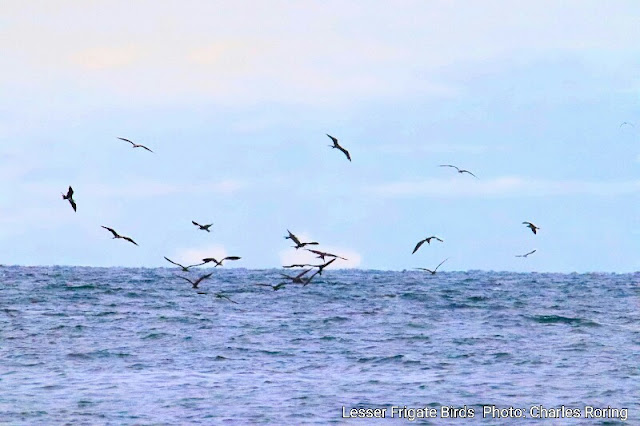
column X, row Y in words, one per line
column 135, row 145
column 202, row 227
column 116, row 235
column 69, row 197
column 298, row 278
column 197, row 282
column 428, row 241
column 274, row 287
column 184, row 268
column 531, row 226
column 337, row 145
column 459, row 170
column 219, row 263
column 526, row 254
column 322, row 254
column 435, row 270
column 297, row 241
column 222, row 296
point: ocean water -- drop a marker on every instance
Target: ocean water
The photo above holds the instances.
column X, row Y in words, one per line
column 139, row 346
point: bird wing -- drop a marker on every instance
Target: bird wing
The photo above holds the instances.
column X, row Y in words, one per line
column 70, row 192
column 126, row 140
column 73, row 204
column 115, row 234
column 142, row 146
column 531, row 252
column 293, row 238
column 171, row 261
column 449, row 165
column 316, row 252
column 222, row 296
column 202, row 278
column 129, row 239
column 329, row 262
column 209, row 259
column 310, row 278
column 186, row 279
column 440, row 264
column 195, row 223
column 467, row 171
column 302, row 273
column 335, row 140
column 345, row 152
column 231, row 258
column 313, row 243
column 418, row 246
column 426, row 269
column 438, row 239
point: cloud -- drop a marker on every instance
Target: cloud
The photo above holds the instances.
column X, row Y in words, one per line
column 461, row 186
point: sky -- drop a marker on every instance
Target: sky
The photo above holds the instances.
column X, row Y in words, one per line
column 236, row 98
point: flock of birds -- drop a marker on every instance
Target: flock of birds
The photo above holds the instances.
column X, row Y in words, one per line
column 303, row 278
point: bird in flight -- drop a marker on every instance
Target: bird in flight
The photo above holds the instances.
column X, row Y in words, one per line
column 295, row 239
column 459, row 170
column 526, row 254
column 428, row 241
column 116, row 235
column 69, row 197
column 298, row 279
column 222, row 296
column 530, row 225
column 202, row 227
column 274, row 287
column 197, row 282
column 219, row 263
column 337, row 145
column 627, row 123
column 434, row 271
column 321, row 267
column 184, row 268
column 322, row 254
column 135, row 145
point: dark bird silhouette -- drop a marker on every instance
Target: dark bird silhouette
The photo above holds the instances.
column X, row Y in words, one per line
column 197, row 282
column 526, row 254
column 627, row 123
column 531, row 226
column 222, row 296
column 202, row 227
column 274, row 287
column 298, row 279
column 184, row 268
column 299, row 244
column 69, row 197
column 427, row 240
column 299, row 265
column 135, row 145
column 459, row 170
column 435, row 270
column 323, row 254
column 116, row 235
column 321, row 267
column 308, row 280
column 337, row 145
column 219, row 263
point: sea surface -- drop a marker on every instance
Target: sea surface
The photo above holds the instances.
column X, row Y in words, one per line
column 125, row 346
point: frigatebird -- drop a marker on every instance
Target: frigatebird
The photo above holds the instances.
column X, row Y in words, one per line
column 135, row 145
column 526, row 254
column 202, row 227
column 459, row 170
column 337, row 145
column 116, row 235
column 295, row 239
column 298, row 278
column 323, row 254
column 195, row 283
column 428, row 240
column 69, row 197
column 274, row 287
column 184, row 268
column 219, row 263
column 434, row 271
column 321, row 267
column 531, row 226
column 222, row 296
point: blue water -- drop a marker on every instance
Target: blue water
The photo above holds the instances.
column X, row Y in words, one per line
column 139, row 346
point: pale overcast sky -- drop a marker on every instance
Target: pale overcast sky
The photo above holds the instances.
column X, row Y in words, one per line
column 235, row 98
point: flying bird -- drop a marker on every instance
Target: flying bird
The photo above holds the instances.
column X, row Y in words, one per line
column 274, row 287
column 195, row 283
column 321, row 267
column 219, row 263
column 526, row 254
column 627, row 123
column 337, row 145
column 299, row 244
column 184, row 268
column 69, row 197
column 299, row 265
column 435, row 270
column 308, row 280
column 530, row 225
column 116, row 235
column 428, row 240
column 298, row 278
column 459, row 170
column 322, row 254
column 202, row 227
column 222, row 296
column 135, row 145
